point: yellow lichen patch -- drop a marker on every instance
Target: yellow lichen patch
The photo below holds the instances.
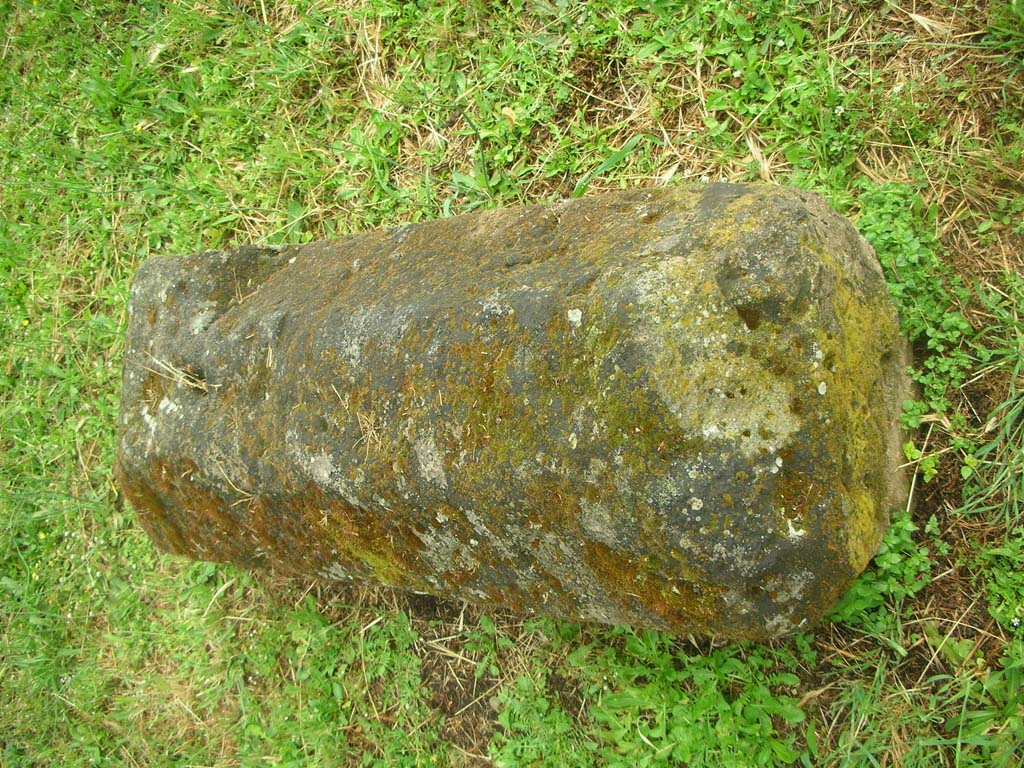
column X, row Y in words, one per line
column 850, row 383
column 866, row 522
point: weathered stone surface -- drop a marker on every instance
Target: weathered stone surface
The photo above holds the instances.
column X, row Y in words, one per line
column 670, row 408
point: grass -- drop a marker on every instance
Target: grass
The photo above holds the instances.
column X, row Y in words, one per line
column 129, row 129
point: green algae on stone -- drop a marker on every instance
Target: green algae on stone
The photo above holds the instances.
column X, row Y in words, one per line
column 673, row 408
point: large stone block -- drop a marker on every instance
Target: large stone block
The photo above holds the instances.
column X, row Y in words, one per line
column 672, row 408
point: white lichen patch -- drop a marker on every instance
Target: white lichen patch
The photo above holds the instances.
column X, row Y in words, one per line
column 335, row 572
column 494, row 306
column 349, row 333
column 202, row 320
column 149, row 421
column 780, row 624
column 699, row 467
column 598, row 522
column 321, row 468
column 738, row 604
column 710, row 431
column 575, row 317
column 793, row 533
column 429, row 460
column 744, row 555
column 443, row 549
column 787, row 588
column 595, row 471
column 495, row 541
column 351, row 347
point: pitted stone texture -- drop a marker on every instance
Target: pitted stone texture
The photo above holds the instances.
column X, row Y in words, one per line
column 671, row 408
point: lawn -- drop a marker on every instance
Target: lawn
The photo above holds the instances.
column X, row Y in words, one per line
column 129, row 129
